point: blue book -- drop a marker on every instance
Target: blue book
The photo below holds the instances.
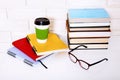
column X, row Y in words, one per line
column 86, row 15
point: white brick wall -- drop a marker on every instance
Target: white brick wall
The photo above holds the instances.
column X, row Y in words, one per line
column 17, row 16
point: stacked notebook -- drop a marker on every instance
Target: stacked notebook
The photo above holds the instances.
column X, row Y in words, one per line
column 32, row 52
column 89, row 27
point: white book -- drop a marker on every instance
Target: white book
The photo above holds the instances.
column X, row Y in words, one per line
column 88, row 40
column 90, row 46
column 89, row 34
column 88, row 29
column 89, row 24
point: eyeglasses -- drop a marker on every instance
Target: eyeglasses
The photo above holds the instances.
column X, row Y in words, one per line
column 85, row 65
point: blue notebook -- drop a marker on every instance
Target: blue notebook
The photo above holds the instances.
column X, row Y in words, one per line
column 88, row 13
column 19, row 54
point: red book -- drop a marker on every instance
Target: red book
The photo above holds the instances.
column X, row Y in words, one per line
column 25, row 47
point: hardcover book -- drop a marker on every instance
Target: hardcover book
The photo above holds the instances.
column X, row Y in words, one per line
column 104, row 33
column 87, row 26
column 53, row 44
column 89, row 46
column 88, row 40
column 88, row 15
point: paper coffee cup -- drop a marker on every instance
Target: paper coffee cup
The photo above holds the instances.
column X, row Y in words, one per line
column 42, row 29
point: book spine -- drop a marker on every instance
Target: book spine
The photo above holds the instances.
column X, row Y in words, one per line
column 88, row 40
column 88, row 29
column 90, row 46
column 34, row 49
column 89, row 34
column 72, row 20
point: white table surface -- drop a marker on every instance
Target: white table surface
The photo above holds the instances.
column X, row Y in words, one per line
column 61, row 68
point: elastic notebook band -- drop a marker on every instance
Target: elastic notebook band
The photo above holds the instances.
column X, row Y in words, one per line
column 43, row 64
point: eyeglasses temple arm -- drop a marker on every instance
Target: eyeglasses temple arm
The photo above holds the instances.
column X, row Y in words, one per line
column 98, row 62
column 77, row 48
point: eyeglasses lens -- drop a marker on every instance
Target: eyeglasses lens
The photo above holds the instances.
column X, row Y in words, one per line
column 83, row 64
column 73, row 58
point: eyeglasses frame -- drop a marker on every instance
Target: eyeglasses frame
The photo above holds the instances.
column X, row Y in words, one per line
column 78, row 60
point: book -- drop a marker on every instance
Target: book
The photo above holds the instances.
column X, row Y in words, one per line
column 86, row 28
column 21, row 56
column 89, row 40
column 89, row 46
column 103, row 33
column 23, row 45
column 88, row 15
column 53, row 44
column 89, row 25
column 89, row 29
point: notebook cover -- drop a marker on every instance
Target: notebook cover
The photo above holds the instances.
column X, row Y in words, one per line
column 21, row 56
column 53, row 44
column 23, row 45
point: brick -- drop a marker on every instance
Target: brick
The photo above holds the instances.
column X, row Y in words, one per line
column 59, row 27
column 114, row 3
column 115, row 24
column 25, row 13
column 18, row 35
column 115, row 27
column 57, row 14
column 114, row 12
column 55, row 4
column 12, row 3
column 5, row 46
column 3, row 14
column 5, row 37
column 32, row 25
column 14, row 25
column 36, row 3
column 46, row 3
column 85, row 3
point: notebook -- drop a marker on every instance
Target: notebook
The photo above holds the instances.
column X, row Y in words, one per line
column 53, row 44
column 23, row 45
column 21, row 56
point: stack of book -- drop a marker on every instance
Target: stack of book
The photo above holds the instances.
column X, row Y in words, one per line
column 89, row 27
column 32, row 52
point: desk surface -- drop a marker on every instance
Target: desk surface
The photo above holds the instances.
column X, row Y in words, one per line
column 61, row 68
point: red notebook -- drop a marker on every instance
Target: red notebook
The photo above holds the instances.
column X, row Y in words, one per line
column 25, row 47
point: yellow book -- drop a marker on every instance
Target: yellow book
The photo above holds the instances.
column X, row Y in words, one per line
column 53, row 44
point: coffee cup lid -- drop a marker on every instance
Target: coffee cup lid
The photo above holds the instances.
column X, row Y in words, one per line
column 42, row 21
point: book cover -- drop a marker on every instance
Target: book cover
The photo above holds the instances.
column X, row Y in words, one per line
column 88, row 15
column 23, row 45
column 20, row 55
column 53, row 44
